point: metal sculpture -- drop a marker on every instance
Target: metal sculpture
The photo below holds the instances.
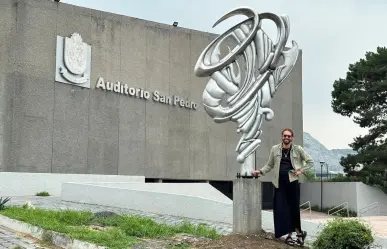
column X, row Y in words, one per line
column 228, row 97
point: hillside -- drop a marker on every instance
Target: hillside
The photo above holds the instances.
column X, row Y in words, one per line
column 320, row 153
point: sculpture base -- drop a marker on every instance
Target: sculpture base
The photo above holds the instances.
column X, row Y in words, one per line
column 247, row 219
column 239, row 175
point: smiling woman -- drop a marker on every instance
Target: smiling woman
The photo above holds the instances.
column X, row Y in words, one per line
column 288, row 162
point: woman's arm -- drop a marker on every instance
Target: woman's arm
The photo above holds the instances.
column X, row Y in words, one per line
column 307, row 159
column 269, row 164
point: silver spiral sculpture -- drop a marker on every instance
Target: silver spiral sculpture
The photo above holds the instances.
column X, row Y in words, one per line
column 244, row 97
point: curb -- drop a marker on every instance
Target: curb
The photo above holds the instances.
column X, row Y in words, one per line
column 55, row 238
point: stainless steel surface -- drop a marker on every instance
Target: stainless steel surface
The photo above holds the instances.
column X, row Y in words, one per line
column 242, row 94
column 308, row 208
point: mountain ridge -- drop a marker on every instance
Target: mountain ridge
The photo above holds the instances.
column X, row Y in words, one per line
column 320, row 153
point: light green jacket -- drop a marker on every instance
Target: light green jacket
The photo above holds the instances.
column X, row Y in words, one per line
column 299, row 158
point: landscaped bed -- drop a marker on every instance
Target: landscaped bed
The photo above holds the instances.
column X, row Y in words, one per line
column 112, row 231
column 260, row 241
column 119, row 232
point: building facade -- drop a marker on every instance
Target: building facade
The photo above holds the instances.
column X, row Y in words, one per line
column 129, row 105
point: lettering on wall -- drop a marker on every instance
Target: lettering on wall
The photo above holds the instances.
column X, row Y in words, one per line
column 156, row 96
column 73, row 66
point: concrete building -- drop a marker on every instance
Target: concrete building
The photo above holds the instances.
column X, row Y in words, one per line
column 49, row 126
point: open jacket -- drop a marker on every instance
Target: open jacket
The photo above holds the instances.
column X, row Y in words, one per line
column 299, row 158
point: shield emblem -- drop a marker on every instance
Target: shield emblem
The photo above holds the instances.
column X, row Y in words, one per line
column 75, row 54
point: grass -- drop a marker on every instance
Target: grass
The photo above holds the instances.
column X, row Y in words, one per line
column 43, row 193
column 121, row 231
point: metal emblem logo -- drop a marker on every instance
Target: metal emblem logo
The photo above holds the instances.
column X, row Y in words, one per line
column 73, row 61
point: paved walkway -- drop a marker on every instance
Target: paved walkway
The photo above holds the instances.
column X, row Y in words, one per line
column 378, row 224
column 10, row 240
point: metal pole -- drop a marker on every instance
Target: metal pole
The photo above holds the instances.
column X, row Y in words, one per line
column 321, row 202
column 321, row 192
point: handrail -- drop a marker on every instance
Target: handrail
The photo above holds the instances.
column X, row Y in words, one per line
column 369, row 207
column 345, row 204
column 310, row 209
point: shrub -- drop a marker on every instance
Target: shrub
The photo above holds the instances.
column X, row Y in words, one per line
column 3, row 202
column 344, row 233
column 342, row 178
column 44, row 193
column 310, row 176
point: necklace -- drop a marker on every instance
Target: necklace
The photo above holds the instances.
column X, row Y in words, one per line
column 285, row 153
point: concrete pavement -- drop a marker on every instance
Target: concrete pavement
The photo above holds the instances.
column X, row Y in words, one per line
column 11, row 240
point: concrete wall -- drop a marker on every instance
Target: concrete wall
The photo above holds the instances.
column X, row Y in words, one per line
column 367, row 195
column 334, row 193
column 357, row 194
column 203, row 190
column 53, row 127
column 27, row 184
column 7, row 28
column 158, row 202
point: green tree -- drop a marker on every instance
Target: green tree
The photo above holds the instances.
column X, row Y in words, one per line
column 310, row 175
column 362, row 95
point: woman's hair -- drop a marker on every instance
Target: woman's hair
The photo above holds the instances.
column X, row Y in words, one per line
column 289, row 130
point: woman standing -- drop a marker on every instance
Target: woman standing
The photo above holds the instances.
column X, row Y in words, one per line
column 289, row 162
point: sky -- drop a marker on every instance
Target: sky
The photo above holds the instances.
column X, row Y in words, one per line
column 332, row 34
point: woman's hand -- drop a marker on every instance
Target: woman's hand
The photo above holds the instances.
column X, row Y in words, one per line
column 298, row 172
column 256, row 172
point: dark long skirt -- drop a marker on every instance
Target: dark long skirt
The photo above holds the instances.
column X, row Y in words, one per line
column 286, row 207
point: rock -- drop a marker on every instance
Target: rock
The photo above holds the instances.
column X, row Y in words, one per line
column 104, row 214
column 28, row 205
column 98, row 228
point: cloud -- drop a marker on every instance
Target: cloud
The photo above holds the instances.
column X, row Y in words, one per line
column 332, row 34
